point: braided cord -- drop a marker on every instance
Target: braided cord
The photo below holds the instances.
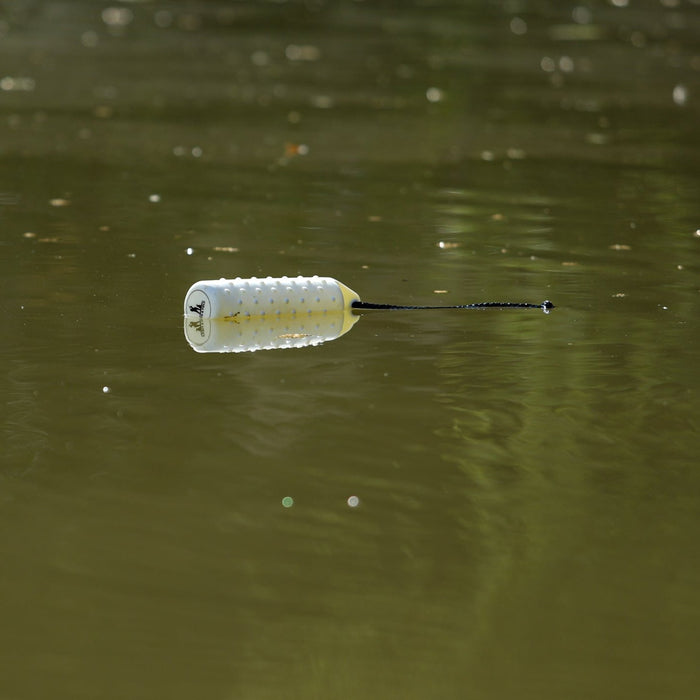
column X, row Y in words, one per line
column 545, row 306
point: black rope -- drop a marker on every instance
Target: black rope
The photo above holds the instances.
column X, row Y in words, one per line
column 366, row 305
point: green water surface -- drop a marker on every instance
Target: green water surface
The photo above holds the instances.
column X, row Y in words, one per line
column 526, row 510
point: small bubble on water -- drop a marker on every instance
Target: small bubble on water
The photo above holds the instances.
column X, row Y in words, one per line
column 155, row 198
column 106, row 390
column 189, row 251
column 287, row 501
column 353, row 501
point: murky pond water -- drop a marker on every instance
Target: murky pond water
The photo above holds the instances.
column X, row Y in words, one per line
column 484, row 503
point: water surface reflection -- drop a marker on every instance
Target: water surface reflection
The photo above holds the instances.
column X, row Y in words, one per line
column 527, row 485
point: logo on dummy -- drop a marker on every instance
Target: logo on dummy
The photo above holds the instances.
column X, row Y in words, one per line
column 198, row 308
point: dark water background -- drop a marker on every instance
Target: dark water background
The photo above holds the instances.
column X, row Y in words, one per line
column 528, row 484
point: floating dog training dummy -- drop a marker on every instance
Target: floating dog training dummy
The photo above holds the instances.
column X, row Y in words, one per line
column 242, row 315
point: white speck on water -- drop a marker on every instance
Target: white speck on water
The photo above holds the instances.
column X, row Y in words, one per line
column 582, row 15
column 106, row 390
column 8, row 84
column 322, row 101
column 260, row 58
column 547, row 64
column 117, row 16
column 680, row 95
column 296, row 52
column 353, row 501
column 155, row 198
column 434, row 94
column 163, row 18
column 89, row 39
column 518, row 26
column 566, row 64
column 189, row 251
column 197, row 152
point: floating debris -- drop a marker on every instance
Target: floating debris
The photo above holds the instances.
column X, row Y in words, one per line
column 620, row 246
column 58, row 202
column 295, row 149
